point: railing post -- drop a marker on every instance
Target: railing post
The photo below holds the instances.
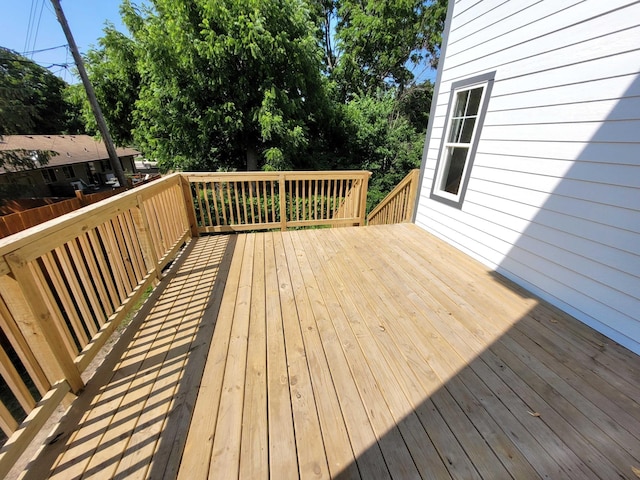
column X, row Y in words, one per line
column 364, row 186
column 413, row 191
column 81, row 198
column 21, row 347
column 189, row 208
column 27, row 305
column 282, row 191
column 141, row 221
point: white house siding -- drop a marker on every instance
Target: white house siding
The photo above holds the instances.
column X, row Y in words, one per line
column 553, row 201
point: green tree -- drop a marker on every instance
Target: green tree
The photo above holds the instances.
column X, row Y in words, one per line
column 276, row 84
column 324, row 13
column 415, row 104
column 31, row 102
column 79, row 117
column 383, row 140
column 377, row 43
column 371, row 49
column 31, row 97
column 115, row 78
column 234, row 83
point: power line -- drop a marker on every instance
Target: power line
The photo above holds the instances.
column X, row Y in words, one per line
column 50, row 8
column 44, row 49
column 66, row 60
column 63, row 68
column 31, row 15
column 35, row 37
column 62, row 65
column 93, row 101
column 30, row 62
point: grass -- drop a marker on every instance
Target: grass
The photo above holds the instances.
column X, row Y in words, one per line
column 127, row 320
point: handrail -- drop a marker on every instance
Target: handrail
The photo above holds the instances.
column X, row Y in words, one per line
column 66, row 284
column 398, row 205
column 232, row 202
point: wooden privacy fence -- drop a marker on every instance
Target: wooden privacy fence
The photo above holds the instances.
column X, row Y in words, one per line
column 19, row 221
column 66, row 284
column 398, row 205
column 228, row 202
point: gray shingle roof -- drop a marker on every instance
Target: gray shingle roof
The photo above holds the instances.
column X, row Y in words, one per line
column 70, row 148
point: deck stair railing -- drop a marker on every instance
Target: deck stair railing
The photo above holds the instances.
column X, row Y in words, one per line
column 398, row 205
column 66, row 284
column 230, row 202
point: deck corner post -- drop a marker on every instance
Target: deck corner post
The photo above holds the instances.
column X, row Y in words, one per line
column 364, row 186
column 37, row 323
column 189, row 207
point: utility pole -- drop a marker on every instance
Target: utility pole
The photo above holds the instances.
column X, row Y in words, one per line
column 102, row 125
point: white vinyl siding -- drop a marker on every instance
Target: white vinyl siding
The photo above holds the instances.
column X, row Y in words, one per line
column 553, row 199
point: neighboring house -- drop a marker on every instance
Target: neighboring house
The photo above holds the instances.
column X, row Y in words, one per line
column 144, row 166
column 532, row 158
column 80, row 161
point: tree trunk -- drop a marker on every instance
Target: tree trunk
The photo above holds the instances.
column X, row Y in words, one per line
column 252, row 159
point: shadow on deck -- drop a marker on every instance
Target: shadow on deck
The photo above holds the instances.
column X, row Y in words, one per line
column 376, row 352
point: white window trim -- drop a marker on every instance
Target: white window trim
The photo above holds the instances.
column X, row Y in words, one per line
column 437, row 193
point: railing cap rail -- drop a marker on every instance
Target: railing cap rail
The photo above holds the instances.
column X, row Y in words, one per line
column 78, row 220
column 297, row 174
column 67, row 226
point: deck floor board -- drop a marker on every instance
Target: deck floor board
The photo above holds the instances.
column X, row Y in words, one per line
column 348, row 353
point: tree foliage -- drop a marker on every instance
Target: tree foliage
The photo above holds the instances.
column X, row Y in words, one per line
column 31, row 97
column 415, row 103
column 383, row 140
column 225, row 83
column 21, row 159
column 32, row 101
column 116, row 81
column 272, row 84
column 377, row 42
column 79, row 117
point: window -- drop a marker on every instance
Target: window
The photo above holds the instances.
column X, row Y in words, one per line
column 67, row 170
column 467, row 108
column 49, row 175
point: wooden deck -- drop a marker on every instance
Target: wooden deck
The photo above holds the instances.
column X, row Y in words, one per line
column 372, row 353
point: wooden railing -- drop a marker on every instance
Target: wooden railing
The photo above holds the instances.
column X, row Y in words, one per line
column 65, row 285
column 229, row 202
column 398, row 205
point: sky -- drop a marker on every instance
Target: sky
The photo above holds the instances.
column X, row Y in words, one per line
column 86, row 19
column 28, row 25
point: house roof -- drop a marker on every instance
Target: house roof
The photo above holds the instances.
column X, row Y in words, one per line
column 70, row 148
